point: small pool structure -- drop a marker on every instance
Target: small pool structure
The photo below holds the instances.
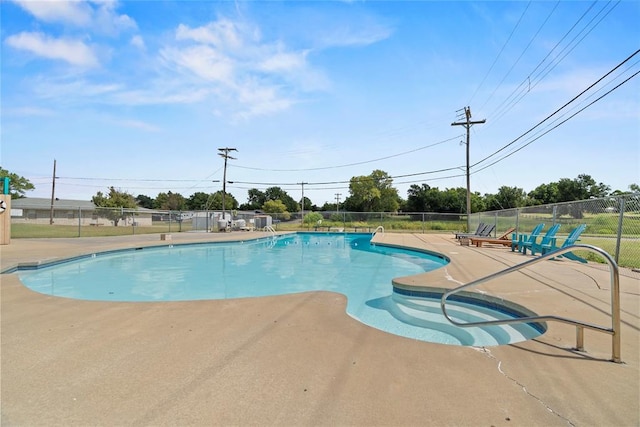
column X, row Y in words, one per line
column 348, row 263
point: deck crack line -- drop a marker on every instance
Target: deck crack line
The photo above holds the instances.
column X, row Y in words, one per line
column 450, row 278
column 487, row 352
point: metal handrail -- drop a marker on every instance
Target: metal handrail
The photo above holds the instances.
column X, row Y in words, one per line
column 381, row 228
column 614, row 330
column 270, row 229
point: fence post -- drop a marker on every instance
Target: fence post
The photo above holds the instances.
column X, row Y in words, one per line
column 423, row 223
column 79, row 221
column 518, row 220
column 619, row 237
column 555, row 207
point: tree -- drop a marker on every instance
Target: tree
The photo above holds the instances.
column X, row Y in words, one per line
column 276, row 207
column 144, row 201
column 230, row 202
column 423, row 199
column 308, row 205
column 214, row 201
column 372, row 193
column 110, row 204
column 277, row 193
column 255, row 201
column 454, row 200
column 581, row 188
column 198, row 200
column 170, row 201
column 633, row 188
column 545, row 194
column 18, row 185
column 328, row 207
column 507, row 198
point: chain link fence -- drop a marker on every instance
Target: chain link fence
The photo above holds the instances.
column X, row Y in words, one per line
column 612, row 223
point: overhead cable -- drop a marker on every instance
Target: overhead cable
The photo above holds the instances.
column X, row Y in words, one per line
column 349, row 164
column 556, row 126
column 500, row 53
column 558, row 110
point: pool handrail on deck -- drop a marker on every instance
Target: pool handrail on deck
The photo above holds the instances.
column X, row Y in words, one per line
column 614, row 330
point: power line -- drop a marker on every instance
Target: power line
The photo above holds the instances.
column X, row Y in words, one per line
column 501, row 50
column 528, row 79
column 350, row 164
column 129, row 179
column 559, row 124
column 521, row 54
column 558, row 110
column 533, row 82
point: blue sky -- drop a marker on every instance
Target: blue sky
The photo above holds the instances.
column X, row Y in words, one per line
column 141, row 94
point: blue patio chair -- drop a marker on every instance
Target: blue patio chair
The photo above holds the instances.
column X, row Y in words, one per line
column 518, row 240
column 571, row 239
column 546, row 241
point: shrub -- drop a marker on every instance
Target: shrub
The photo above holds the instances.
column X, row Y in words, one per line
column 312, row 218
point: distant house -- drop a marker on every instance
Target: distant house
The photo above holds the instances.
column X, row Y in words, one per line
column 38, row 210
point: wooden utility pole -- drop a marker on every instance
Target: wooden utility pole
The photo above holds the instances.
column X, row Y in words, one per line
column 224, row 152
column 338, row 202
column 467, row 124
column 302, row 204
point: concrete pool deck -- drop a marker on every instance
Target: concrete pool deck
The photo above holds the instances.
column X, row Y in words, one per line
column 301, row 360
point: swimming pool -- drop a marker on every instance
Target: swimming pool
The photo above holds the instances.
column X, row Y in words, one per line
column 340, row 262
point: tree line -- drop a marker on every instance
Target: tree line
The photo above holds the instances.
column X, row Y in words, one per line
column 368, row 193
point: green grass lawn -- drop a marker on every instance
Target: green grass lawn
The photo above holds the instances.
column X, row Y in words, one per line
column 21, row 231
column 629, row 250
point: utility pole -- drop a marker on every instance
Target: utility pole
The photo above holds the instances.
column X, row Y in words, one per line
column 53, row 192
column 224, row 152
column 338, row 202
column 302, row 204
column 467, row 124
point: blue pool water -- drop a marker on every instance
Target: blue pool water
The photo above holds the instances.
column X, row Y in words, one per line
column 341, row 262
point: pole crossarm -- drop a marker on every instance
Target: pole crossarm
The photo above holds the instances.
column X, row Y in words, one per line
column 477, row 122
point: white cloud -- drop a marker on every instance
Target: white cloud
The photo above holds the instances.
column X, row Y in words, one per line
column 254, row 77
column 203, row 61
column 138, row 42
column 283, row 61
column 160, row 95
column 347, row 36
column 63, row 11
column 137, row 124
column 74, row 52
column 223, row 34
column 71, row 88
column 28, row 112
column 99, row 16
column 107, row 21
column 258, row 99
